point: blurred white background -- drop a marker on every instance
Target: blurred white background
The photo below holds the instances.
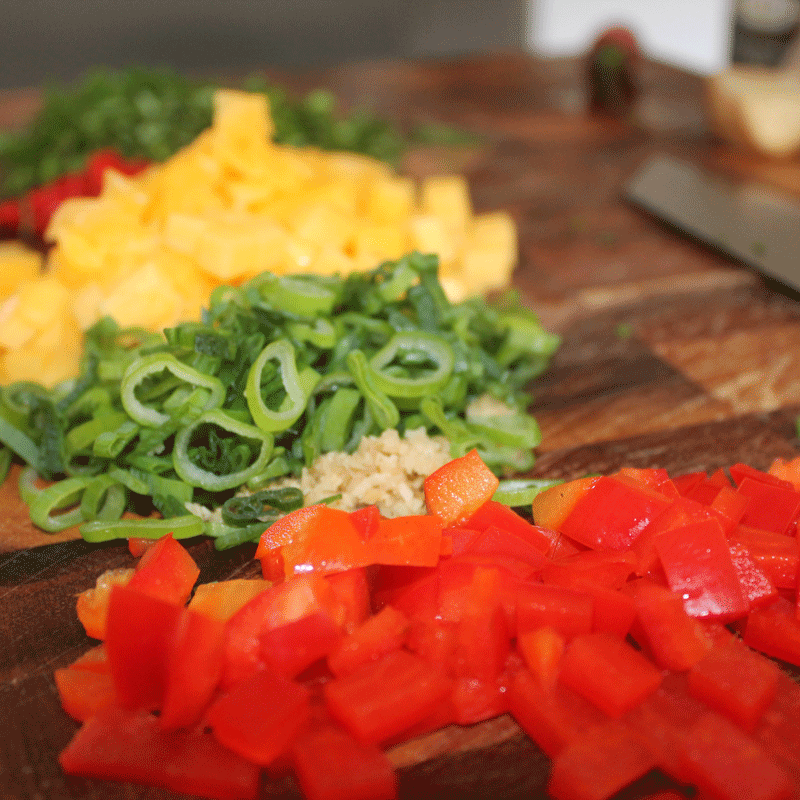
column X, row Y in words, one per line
column 43, row 40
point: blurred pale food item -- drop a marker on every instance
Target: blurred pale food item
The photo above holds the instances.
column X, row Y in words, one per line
column 150, row 249
column 757, row 108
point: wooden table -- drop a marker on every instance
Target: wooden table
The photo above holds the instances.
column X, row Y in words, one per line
column 672, row 357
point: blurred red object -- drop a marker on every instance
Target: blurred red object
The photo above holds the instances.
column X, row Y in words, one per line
column 612, row 68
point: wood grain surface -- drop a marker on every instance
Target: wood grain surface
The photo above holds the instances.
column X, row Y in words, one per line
column 672, row 357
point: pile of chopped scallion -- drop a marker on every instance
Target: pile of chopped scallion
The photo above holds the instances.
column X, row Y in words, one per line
column 278, row 371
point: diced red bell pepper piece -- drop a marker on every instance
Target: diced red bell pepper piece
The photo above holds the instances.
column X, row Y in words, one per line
column 10, row 218
column 222, row 599
column 260, row 716
column 40, row 203
column 475, row 700
column 96, row 166
column 498, row 515
column 434, row 640
column 771, row 508
column 736, row 682
column 613, row 612
column 569, row 610
column 788, row 471
column 166, row 570
column 495, row 541
column 330, row 765
column 483, row 638
column 608, row 672
column 610, row 569
column 92, row 604
column 654, row 478
column 756, row 584
column 542, row 649
column 313, row 538
column 778, row 556
column 284, row 602
column 95, row 659
column 719, row 478
column 613, row 513
column 685, row 483
column 552, row 506
column 366, row 521
column 599, row 763
column 351, row 590
column 383, row 698
column 140, row 633
column 778, row 732
column 128, row 746
column 377, row 636
column 84, row 692
column 455, row 491
column 412, row 590
column 455, row 577
column 139, row 545
column 513, row 567
column 194, row 669
column 459, row 537
column 699, row 568
column 411, row 541
column 679, row 513
column 664, row 721
column 294, row 646
column 725, row 763
column 729, row 507
column 775, row 631
column 741, row 471
column 551, row 716
column 675, row 640
column 704, row 492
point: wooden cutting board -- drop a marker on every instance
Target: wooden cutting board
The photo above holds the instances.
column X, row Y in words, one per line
column 672, row 357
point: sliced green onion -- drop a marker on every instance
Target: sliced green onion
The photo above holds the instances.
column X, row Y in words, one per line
column 104, row 499
column 148, row 366
column 227, row 536
column 110, row 443
column 19, row 442
column 321, row 333
column 339, row 419
column 298, row 295
column 248, row 508
column 517, row 492
column 296, row 398
column 5, row 462
column 54, row 498
column 134, row 482
column 384, row 411
column 277, row 468
column 26, row 485
column 211, row 481
column 184, row 527
column 83, row 436
column 427, row 347
column 513, row 430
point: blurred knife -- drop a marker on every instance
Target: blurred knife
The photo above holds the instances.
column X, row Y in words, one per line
column 751, row 222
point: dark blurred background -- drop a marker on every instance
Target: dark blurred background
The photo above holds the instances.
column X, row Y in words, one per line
column 47, row 40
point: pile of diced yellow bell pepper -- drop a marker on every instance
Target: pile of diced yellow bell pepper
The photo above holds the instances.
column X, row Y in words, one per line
column 150, row 249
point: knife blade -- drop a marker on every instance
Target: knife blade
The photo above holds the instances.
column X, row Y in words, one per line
column 749, row 221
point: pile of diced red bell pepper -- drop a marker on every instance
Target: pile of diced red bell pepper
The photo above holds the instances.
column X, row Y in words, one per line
column 620, row 630
column 30, row 214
